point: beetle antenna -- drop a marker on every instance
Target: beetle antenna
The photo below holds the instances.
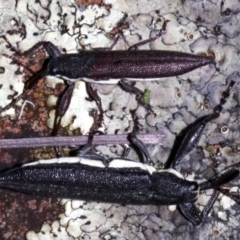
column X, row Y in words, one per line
column 190, row 211
column 35, row 78
column 195, row 130
column 219, row 180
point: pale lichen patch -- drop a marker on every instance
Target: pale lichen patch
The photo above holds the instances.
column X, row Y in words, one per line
column 193, row 28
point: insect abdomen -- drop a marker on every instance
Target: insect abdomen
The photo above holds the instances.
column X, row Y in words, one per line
column 128, row 64
column 80, row 182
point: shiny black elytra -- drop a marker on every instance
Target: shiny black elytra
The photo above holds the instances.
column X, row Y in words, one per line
column 104, row 66
column 89, row 177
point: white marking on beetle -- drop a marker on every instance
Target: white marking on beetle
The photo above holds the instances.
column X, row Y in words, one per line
column 69, row 160
column 115, row 81
column 90, row 80
column 93, row 163
column 108, row 81
column 120, row 163
column 52, row 161
column 116, row 163
column 143, row 79
column 190, row 176
column 173, row 171
column 23, row 106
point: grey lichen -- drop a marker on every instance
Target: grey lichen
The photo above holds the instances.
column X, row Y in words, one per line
column 199, row 27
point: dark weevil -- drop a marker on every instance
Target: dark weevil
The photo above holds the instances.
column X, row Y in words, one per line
column 102, row 66
column 91, row 177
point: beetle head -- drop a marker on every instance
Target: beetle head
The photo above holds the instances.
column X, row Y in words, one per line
column 173, row 188
column 190, row 189
column 67, row 66
column 53, row 68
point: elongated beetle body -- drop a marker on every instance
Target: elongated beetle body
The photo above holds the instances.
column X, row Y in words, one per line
column 90, row 177
column 100, row 66
column 122, row 181
column 111, row 66
column 137, row 64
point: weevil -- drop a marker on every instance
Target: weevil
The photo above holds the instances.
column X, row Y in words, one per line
column 89, row 176
column 104, row 66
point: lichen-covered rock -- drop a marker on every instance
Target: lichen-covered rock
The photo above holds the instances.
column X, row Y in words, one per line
column 198, row 27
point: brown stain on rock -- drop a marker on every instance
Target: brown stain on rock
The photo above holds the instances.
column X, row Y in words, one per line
column 21, row 213
column 88, row 2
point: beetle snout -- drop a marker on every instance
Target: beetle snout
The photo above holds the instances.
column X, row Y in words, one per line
column 52, row 68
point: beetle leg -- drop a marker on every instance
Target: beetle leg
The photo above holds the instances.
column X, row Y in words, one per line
column 191, row 212
column 63, row 106
column 53, row 52
column 233, row 195
column 209, row 204
column 91, row 155
column 129, row 87
column 34, row 79
column 117, row 38
column 126, row 150
column 94, row 96
column 195, row 130
column 50, row 48
column 61, row 110
column 87, row 147
column 88, row 152
column 161, row 32
column 142, row 147
column 64, row 102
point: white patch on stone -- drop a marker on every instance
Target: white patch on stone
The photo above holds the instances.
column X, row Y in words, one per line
column 79, row 108
column 222, row 215
column 234, row 189
column 10, row 112
column 172, row 208
column 226, row 202
column 172, row 113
